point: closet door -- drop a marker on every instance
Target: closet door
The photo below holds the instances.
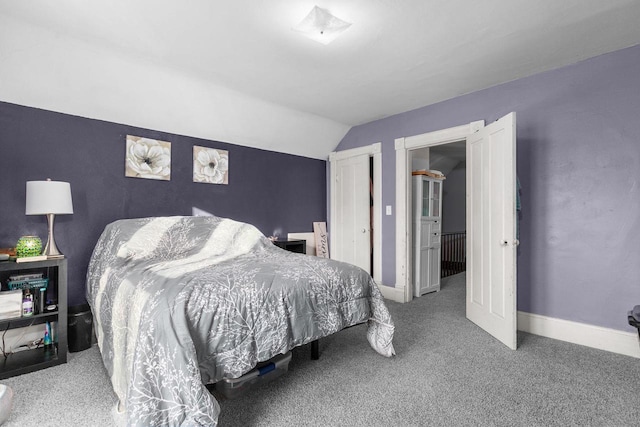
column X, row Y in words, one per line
column 352, row 226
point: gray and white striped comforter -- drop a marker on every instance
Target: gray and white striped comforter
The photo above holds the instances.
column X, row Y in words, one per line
column 180, row 302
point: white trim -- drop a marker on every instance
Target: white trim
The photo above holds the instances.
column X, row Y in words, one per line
column 391, row 293
column 402, row 245
column 377, row 213
column 403, row 182
column 612, row 340
column 442, row 136
column 353, row 152
column 375, row 151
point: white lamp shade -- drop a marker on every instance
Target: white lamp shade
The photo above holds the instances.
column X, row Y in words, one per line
column 48, row 197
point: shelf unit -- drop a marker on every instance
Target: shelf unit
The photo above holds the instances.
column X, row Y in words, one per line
column 26, row 361
column 427, row 229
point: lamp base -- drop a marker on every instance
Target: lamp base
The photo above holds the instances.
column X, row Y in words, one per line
column 50, row 249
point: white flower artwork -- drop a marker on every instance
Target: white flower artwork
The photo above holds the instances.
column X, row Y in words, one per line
column 148, row 158
column 210, row 165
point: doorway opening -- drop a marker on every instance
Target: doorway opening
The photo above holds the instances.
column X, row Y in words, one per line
column 491, row 282
column 404, row 148
column 446, row 243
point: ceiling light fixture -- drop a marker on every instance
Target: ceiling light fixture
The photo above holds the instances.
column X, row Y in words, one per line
column 320, row 25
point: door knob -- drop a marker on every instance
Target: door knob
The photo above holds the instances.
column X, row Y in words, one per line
column 504, row 243
column 364, row 230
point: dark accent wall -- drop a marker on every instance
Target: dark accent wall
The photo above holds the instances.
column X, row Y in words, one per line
column 276, row 192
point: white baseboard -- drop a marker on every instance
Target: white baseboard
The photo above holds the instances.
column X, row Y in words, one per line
column 389, row 292
column 612, row 340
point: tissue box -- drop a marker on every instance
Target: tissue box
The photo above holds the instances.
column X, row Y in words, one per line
column 10, row 304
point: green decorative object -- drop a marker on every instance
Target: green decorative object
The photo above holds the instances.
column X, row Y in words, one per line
column 28, row 246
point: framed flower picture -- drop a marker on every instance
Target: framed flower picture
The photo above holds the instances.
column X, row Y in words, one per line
column 148, row 158
column 210, row 165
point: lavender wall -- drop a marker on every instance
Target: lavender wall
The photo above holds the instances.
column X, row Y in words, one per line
column 271, row 190
column 578, row 159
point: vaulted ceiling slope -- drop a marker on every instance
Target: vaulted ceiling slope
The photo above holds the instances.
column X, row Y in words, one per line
column 234, row 70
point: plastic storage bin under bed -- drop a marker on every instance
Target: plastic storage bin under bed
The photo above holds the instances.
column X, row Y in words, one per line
column 232, row 388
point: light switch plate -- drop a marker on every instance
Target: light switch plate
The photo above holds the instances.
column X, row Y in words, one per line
column 388, row 209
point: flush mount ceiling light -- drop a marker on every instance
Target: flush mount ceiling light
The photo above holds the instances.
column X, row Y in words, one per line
column 320, row 25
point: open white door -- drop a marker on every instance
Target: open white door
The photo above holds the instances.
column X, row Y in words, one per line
column 351, row 228
column 491, row 229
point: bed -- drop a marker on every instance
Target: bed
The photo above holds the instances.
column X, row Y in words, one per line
column 181, row 302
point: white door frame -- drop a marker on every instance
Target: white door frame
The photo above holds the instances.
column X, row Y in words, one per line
column 404, row 262
column 375, row 151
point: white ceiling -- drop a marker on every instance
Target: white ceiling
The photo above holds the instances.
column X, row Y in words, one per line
column 235, row 71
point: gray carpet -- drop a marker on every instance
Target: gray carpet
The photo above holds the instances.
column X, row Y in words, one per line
column 447, row 372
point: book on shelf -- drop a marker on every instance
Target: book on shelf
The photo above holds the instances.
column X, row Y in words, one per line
column 31, row 258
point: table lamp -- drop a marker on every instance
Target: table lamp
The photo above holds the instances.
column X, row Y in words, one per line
column 49, row 198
